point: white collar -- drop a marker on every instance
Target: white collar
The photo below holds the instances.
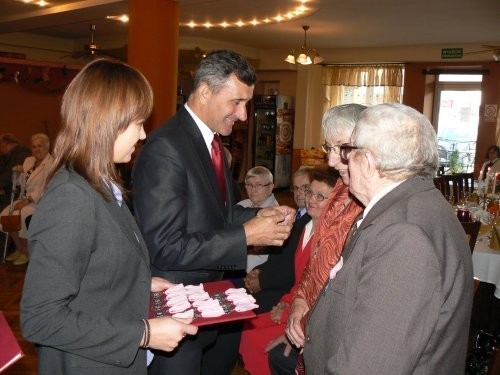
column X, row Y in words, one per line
column 116, row 193
column 383, row 192
column 206, row 132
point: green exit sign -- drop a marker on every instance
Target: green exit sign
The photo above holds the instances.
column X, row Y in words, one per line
column 452, row 53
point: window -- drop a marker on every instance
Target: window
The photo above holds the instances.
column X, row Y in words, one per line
column 456, row 109
column 363, row 84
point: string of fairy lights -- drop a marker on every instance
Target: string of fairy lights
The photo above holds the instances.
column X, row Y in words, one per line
column 296, row 9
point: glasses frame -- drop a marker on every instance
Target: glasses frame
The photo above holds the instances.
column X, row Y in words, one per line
column 300, row 189
column 317, row 196
column 256, row 186
column 345, row 150
column 326, row 148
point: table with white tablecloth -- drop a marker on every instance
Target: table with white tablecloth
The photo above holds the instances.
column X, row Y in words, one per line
column 486, row 263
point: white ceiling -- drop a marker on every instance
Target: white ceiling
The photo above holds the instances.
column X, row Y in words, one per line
column 333, row 23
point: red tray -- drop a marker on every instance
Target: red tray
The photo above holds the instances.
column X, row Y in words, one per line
column 211, row 288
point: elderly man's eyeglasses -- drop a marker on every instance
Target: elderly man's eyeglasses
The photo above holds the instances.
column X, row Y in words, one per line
column 299, row 189
column 318, row 196
column 256, row 186
column 345, row 150
column 327, row 148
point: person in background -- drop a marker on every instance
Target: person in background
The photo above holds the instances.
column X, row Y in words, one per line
column 192, row 226
column 271, row 280
column 300, row 183
column 85, row 301
column 32, row 178
column 13, row 154
column 259, row 186
column 258, row 332
column 399, row 300
column 333, row 228
column 492, row 163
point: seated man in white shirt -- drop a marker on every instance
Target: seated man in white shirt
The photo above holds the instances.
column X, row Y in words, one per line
column 259, row 186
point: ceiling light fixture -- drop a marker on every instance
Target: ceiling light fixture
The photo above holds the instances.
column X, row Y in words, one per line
column 496, row 56
column 304, row 55
column 290, row 14
column 41, row 3
column 294, row 11
column 122, row 18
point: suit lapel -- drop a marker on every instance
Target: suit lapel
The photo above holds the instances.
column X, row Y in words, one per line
column 128, row 227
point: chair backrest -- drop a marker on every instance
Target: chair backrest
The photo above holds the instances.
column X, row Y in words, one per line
column 439, row 184
column 472, row 230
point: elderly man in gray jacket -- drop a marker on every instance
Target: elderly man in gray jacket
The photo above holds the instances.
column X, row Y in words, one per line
column 399, row 300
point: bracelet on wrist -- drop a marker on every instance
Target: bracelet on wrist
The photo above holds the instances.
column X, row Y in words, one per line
column 147, row 334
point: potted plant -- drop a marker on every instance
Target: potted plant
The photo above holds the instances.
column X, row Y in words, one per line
column 455, row 162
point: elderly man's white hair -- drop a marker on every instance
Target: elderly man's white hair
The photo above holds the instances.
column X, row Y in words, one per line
column 401, row 139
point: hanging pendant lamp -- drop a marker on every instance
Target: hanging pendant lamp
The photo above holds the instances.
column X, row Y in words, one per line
column 304, row 55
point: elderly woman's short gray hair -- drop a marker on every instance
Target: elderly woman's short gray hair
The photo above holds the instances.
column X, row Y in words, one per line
column 401, row 139
column 340, row 120
column 260, row 171
column 43, row 137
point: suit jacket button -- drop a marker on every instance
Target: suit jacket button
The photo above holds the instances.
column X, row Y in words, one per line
column 308, row 339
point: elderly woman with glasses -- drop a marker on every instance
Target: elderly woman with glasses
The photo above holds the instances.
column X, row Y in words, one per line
column 260, row 331
column 340, row 213
column 259, row 186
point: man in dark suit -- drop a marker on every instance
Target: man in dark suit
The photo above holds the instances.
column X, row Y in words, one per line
column 184, row 207
column 399, row 300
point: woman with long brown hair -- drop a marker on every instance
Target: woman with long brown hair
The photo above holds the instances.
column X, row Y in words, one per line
column 86, row 295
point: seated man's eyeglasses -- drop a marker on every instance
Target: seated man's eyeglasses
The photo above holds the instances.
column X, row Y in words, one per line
column 318, row 196
column 300, row 189
column 256, row 186
column 327, row 148
column 345, row 150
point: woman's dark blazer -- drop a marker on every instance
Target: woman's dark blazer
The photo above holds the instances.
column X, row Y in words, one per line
column 88, row 282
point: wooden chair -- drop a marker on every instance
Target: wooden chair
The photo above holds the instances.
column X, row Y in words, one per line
column 457, row 184
column 439, row 184
column 472, row 230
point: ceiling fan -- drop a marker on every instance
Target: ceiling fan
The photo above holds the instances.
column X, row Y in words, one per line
column 494, row 50
column 93, row 50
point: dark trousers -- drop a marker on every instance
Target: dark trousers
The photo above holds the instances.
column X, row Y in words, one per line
column 186, row 359
column 220, row 357
column 281, row 365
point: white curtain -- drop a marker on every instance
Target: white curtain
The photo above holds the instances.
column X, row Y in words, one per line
column 363, row 84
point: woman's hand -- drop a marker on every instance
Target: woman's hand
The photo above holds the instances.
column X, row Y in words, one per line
column 252, row 282
column 166, row 332
column 21, row 204
column 277, row 311
column 159, row 284
column 293, row 328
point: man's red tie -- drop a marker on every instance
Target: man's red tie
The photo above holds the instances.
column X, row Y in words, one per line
column 218, row 162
